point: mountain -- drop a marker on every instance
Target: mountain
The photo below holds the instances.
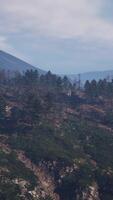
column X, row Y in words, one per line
column 12, row 63
column 92, row 75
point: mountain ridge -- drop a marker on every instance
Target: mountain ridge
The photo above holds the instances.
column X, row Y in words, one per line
column 12, row 63
column 108, row 74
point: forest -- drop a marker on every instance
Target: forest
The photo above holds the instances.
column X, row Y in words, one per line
column 56, row 138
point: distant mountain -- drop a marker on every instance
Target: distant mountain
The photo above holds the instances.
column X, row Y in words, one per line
column 12, row 63
column 92, row 75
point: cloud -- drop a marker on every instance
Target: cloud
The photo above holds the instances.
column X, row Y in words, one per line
column 6, row 46
column 61, row 19
column 4, row 43
column 61, row 35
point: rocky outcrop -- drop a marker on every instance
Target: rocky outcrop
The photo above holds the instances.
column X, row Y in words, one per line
column 91, row 193
column 46, row 182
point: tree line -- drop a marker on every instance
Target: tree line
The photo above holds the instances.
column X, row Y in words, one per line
column 99, row 88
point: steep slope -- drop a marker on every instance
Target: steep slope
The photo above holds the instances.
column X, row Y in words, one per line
column 55, row 145
column 12, row 63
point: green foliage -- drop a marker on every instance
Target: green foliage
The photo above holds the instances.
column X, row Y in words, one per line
column 99, row 88
column 43, row 144
column 31, row 77
column 9, row 191
column 47, row 121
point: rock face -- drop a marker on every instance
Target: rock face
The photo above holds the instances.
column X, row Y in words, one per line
column 46, row 182
column 91, row 193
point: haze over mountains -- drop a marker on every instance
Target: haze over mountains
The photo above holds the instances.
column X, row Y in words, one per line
column 12, row 63
column 97, row 75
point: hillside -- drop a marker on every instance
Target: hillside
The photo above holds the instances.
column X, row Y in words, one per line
column 12, row 63
column 56, row 141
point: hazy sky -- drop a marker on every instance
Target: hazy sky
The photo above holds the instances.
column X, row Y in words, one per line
column 64, row 36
